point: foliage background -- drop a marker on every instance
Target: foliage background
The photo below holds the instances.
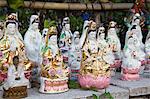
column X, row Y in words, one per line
column 48, row 17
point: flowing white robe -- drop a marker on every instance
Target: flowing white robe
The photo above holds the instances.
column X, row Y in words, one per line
column 33, row 41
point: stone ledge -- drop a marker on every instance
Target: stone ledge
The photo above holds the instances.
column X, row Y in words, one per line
column 78, row 94
column 136, row 88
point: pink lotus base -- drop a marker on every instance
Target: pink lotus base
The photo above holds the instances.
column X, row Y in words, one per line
column 130, row 74
column 53, row 85
column 131, row 71
column 130, row 77
column 88, row 81
column 116, row 64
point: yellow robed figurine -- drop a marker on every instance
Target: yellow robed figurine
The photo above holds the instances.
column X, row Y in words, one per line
column 94, row 71
column 54, row 74
column 12, row 45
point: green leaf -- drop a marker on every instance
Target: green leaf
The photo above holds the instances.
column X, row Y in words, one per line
column 95, row 96
column 52, row 23
column 46, row 23
column 14, row 4
column 106, row 95
column 73, row 84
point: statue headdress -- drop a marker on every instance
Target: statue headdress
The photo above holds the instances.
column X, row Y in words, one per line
column 12, row 18
column 34, row 19
column 66, row 20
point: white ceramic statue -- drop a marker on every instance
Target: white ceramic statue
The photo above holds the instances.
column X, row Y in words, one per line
column 114, row 43
column 33, row 41
column 75, row 55
column 131, row 59
column 65, row 38
column 54, row 74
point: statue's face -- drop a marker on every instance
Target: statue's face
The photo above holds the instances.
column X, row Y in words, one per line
column 35, row 26
column 101, row 30
column 131, row 43
column 1, row 33
column 92, row 35
column 11, row 28
column 102, row 35
column 112, row 24
column 67, row 27
column 53, row 39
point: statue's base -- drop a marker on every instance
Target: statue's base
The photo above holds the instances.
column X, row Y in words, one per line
column 15, row 92
column 130, row 77
column 88, row 81
column 130, row 74
column 53, row 85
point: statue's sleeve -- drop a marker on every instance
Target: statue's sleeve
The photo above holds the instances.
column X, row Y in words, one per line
column 28, row 42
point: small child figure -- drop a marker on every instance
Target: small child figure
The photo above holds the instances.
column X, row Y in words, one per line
column 15, row 75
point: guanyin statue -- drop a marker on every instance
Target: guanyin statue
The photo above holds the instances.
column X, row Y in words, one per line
column 103, row 44
column 33, row 42
column 12, row 46
column 131, row 63
column 54, row 74
column 94, row 71
column 115, row 45
column 65, row 39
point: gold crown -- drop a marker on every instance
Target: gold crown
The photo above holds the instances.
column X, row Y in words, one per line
column 52, row 31
column 11, row 17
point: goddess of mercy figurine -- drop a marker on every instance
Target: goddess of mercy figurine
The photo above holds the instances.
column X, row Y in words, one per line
column 33, row 42
column 75, row 55
column 16, row 83
column 115, row 45
column 65, row 39
column 136, row 29
column 104, row 45
column 94, row 71
column 131, row 59
column 12, row 45
column 54, row 74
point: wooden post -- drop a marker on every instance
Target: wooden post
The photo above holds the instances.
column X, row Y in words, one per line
column 72, row 6
column 97, row 18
